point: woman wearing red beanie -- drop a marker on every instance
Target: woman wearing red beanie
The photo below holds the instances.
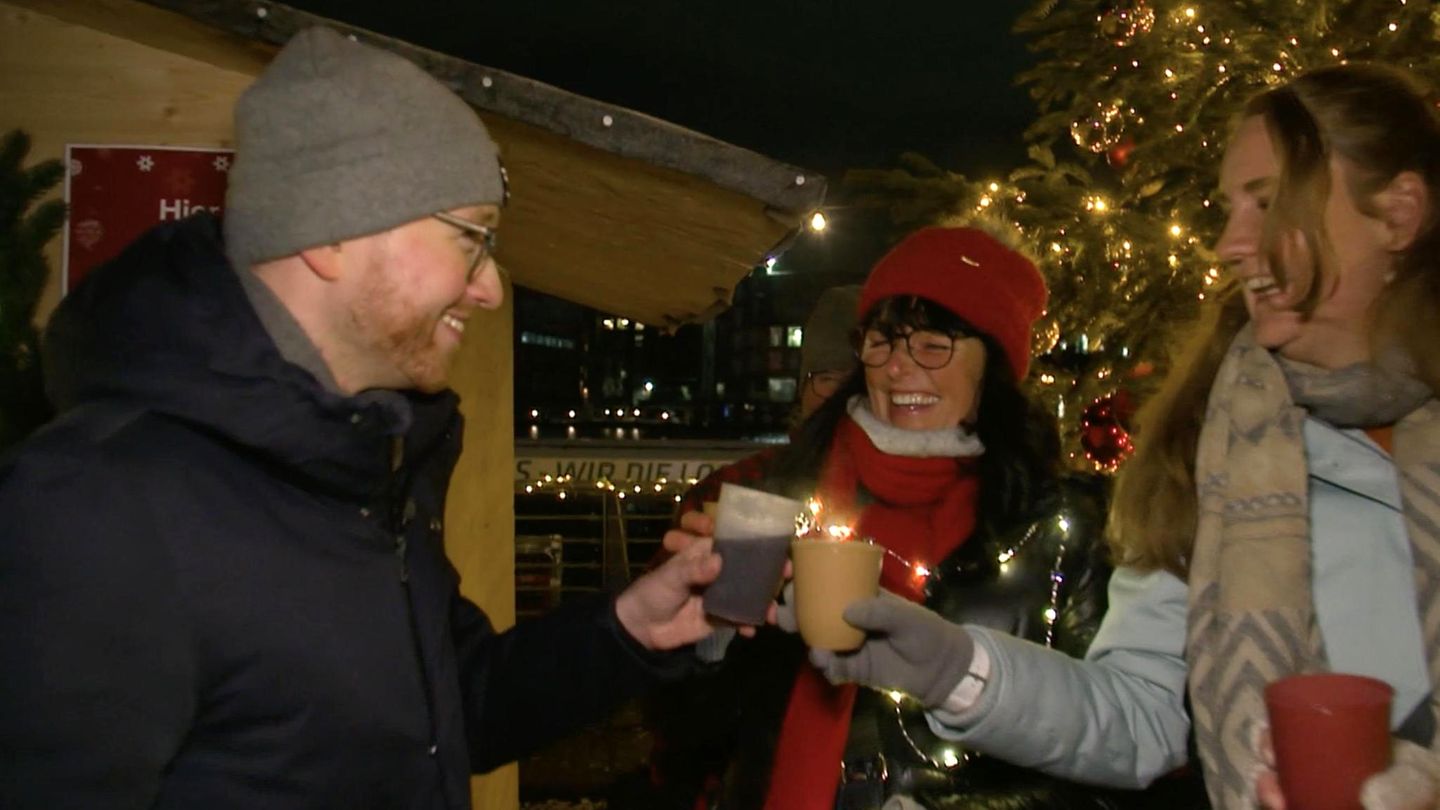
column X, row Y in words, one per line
column 931, row 448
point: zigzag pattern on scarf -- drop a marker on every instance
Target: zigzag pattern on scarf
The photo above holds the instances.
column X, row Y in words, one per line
column 1251, row 612
column 1256, row 647
column 1425, row 536
column 1417, row 436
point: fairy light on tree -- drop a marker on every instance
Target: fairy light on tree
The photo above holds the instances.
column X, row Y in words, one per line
column 1135, row 99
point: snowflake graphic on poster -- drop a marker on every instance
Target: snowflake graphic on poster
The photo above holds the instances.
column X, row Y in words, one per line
column 145, row 163
column 221, row 163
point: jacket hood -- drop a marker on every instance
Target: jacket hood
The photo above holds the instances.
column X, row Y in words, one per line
column 166, row 328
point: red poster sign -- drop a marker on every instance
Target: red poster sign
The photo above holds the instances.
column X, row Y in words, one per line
column 117, row 193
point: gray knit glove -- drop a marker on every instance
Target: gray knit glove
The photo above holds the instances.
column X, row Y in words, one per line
column 907, row 647
column 785, row 610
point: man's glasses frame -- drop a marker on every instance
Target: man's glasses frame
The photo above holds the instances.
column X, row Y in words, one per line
column 825, row 383
column 483, row 236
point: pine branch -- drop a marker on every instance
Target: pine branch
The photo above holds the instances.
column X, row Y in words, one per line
column 23, row 272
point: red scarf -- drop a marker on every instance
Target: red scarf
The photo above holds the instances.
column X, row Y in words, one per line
column 923, row 509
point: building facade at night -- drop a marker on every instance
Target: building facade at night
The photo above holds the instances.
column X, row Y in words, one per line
column 584, row 374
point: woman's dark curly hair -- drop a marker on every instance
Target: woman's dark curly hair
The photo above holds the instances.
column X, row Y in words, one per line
column 1022, row 444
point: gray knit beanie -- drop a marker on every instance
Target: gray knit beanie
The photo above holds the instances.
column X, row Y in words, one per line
column 826, row 345
column 337, row 139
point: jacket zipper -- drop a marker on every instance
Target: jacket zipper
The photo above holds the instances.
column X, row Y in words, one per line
column 400, row 547
column 398, row 524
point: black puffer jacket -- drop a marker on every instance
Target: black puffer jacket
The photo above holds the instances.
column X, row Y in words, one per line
column 1043, row 579
column 223, row 587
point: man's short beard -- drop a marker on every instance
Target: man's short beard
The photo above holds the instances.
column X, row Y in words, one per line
column 386, row 319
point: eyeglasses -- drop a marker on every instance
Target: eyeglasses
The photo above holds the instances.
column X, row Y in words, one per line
column 482, row 237
column 929, row 349
column 825, row 383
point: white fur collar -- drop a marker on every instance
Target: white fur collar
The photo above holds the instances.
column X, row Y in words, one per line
column 943, row 443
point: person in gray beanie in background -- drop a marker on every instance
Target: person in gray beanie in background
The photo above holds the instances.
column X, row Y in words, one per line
column 676, row 712
column 827, row 359
column 222, row 578
column 827, row 347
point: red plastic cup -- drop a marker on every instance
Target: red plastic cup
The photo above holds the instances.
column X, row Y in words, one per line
column 1331, row 733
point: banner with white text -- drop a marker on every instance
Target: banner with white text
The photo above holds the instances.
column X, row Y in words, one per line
column 116, row 193
column 625, row 462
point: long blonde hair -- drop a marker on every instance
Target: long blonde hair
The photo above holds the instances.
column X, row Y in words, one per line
column 1382, row 122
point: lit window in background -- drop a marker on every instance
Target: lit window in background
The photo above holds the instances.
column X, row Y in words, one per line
column 548, row 341
column 794, row 336
column 782, row 389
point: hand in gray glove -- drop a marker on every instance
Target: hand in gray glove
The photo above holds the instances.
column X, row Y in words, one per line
column 785, row 610
column 907, row 647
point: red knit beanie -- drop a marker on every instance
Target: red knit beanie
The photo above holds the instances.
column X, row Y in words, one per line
column 970, row 273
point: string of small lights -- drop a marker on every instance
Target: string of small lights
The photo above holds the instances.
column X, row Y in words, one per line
column 564, row 487
column 1116, row 196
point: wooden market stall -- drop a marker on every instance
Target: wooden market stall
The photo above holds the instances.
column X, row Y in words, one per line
column 611, row 208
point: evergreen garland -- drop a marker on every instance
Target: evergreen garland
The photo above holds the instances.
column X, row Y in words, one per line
column 24, row 232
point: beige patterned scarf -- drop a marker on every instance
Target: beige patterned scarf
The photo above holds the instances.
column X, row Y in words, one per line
column 1251, row 617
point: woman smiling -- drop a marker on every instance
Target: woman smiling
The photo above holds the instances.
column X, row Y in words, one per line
column 931, row 448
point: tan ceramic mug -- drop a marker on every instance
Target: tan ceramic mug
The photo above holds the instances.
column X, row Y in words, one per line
column 829, row 576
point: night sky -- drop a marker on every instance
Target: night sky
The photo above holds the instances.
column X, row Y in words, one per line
column 827, row 86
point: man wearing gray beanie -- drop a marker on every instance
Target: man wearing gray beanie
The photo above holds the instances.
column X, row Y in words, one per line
column 222, row 575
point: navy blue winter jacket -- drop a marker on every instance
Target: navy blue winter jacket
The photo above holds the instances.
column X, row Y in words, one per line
column 222, row 586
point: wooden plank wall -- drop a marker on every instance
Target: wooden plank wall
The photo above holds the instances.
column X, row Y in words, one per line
column 657, row 245
column 65, row 82
column 480, row 512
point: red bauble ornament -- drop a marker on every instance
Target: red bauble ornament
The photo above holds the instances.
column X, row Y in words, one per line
column 1144, row 368
column 1118, row 156
column 1125, row 20
column 1105, row 430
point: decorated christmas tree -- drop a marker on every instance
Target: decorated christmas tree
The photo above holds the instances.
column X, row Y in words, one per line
column 1135, row 99
column 24, row 233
